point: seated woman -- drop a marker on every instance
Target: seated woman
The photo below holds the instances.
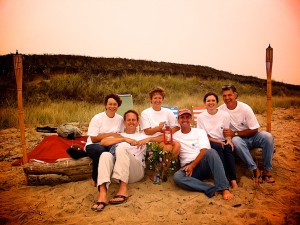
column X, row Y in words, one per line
column 124, row 164
column 213, row 121
column 155, row 118
column 102, row 125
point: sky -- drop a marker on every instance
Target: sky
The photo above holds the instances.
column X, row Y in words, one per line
column 228, row 35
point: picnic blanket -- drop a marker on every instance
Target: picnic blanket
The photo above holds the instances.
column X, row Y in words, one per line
column 51, row 149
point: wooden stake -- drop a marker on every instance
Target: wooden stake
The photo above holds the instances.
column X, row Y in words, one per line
column 269, row 62
column 18, row 67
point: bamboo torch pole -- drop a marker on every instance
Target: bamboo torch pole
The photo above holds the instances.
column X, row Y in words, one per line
column 18, row 67
column 269, row 62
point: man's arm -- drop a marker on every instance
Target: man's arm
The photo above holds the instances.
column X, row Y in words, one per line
column 98, row 138
column 244, row 133
column 189, row 168
column 114, row 140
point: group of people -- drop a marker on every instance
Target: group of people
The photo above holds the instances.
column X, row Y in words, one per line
column 118, row 151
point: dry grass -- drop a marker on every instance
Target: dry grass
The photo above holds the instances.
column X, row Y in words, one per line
column 55, row 113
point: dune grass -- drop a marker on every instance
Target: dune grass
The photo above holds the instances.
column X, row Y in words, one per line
column 56, row 113
column 73, row 98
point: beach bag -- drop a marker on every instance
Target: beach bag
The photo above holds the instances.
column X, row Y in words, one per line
column 76, row 152
column 68, row 131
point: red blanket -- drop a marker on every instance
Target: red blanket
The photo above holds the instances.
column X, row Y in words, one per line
column 52, row 148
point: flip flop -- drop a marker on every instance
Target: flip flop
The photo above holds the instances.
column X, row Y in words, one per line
column 99, row 204
column 257, row 180
column 268, row 178
column 124, row 198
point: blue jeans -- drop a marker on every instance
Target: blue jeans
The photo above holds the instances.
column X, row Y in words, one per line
column 262, row 140
column 210, row 164
column 94, row 151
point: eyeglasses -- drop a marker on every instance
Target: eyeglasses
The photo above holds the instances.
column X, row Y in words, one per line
column 227, row 87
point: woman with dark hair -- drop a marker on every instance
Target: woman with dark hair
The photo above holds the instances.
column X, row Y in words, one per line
column 102, row 125
column 213, row 121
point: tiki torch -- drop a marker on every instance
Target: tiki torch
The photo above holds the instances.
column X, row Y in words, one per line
column 18, row 67
column 269, row 62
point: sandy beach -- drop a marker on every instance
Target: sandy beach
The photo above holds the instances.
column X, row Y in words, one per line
column 70, row 203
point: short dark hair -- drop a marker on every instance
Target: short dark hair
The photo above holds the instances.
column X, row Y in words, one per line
column 209, row 94
column 229, row 87
column 158, row 90
column 131, row 111
column 115, row 97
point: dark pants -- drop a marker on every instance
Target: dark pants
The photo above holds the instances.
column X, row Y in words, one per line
column 94, row 151
column 227, row 158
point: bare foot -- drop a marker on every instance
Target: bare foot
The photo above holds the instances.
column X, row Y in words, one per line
column 99, row 206
column 234, row 184
column 257, row 179
column 227, row 195
column 122, row 194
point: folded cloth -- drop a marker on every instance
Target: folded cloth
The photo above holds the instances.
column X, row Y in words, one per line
column 52, row 148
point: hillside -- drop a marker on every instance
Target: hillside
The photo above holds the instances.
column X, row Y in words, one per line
column 44, row 67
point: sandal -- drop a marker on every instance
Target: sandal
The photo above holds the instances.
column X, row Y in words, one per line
column 122, row 197
column 268, row 178
column 257, row 179
column 97, row 204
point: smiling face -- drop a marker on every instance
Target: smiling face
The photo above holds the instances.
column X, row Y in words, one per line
column 156, row 101
column 185, row 122
column 211, row 102
column 131, row 122
column 229, row 98
column 112, row 106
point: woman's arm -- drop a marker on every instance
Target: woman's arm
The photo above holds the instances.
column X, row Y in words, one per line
column 153, row 130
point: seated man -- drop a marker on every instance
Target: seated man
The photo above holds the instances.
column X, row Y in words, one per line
column 245, row 135
column 124, row 165
column 198, row 161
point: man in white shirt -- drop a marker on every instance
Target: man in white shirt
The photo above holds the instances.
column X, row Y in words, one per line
column 198, row 161
column 245, row 135
column 125, row 163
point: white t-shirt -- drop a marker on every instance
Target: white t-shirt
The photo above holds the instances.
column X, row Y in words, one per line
column 242, row 117
column 101, row 124
column 138, row 153
column 214, row 124
column 151, row 118
column 191, row 144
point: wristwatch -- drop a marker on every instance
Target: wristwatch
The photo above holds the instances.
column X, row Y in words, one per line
column 236, row 133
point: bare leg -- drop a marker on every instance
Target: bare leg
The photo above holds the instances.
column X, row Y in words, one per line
column 102, row 198
column 234, row 184
column 256, row 177
column 123, row 191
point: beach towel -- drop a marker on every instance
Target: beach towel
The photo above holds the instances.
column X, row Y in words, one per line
column 52, row 149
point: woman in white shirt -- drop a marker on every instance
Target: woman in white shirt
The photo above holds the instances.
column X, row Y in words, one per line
column 155, row 118
column 213, row 121
column 102, row 125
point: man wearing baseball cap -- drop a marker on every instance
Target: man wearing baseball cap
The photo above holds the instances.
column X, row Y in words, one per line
column 198, row 161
